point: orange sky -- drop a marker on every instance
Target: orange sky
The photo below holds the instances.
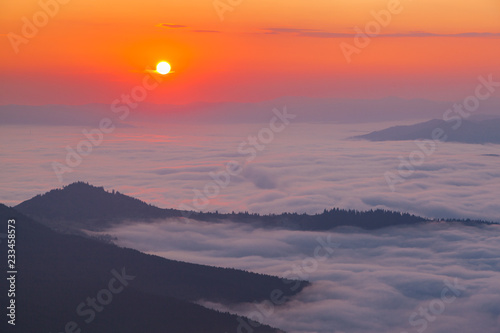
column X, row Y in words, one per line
column 94, row 51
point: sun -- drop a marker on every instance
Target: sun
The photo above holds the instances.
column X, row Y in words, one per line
column 163, row 67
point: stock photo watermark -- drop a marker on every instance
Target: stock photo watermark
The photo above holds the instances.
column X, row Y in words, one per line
column 295, row 276
column 89, row 308
column 427, row 314
column 31, row 27
column 455, row 115
column 223, row 6
column 11, row 270
column 249, row 148
column 95, row 136
column 363, row 37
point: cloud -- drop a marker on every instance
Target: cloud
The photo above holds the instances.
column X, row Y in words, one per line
column 180, row 26
column 171, row 26
column 306, row 168
column 325, row 34
column 206, row 31
column 261, row 178
column 306, row 32
column 461, row 35
column 373, row 281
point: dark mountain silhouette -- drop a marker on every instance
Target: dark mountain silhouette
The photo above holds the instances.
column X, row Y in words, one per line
column 475, row 130
column 57, row 272
column 83, row 206
column 83, row 202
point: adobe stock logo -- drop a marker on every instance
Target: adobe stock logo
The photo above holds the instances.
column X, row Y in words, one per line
column 92, row 306
column 409, row 165
column 372, row 29
column 30, row 28
column 221, row 7
column 249, row 148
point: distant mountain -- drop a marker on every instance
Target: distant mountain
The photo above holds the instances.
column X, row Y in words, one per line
column 469, row 131
column 83, row 206
column 307, row 109
column 57, row 272
column 57, row 115
column 81, row 202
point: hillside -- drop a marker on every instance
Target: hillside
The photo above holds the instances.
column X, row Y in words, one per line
column 83, row 202
column 57, row 272
column 474, row 131
column 83, row 206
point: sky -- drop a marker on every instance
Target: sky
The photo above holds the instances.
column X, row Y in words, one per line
column 89, row 51
column 341, row 68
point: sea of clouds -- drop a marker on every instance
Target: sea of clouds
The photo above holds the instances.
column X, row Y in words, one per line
column 304, row 168
column 391, row 280
column 436, row 277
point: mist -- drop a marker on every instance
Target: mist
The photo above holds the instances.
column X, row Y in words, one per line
column 439, row 277
column 304, row 168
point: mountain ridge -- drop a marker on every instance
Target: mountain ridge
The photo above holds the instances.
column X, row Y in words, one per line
column 474, row 131
column 84, row 206
column 56, row 272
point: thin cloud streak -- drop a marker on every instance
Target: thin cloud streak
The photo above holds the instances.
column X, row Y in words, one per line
column 172, row 26
column 413, row 34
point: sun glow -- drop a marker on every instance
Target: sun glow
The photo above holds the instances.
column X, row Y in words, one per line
column 163, row 67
